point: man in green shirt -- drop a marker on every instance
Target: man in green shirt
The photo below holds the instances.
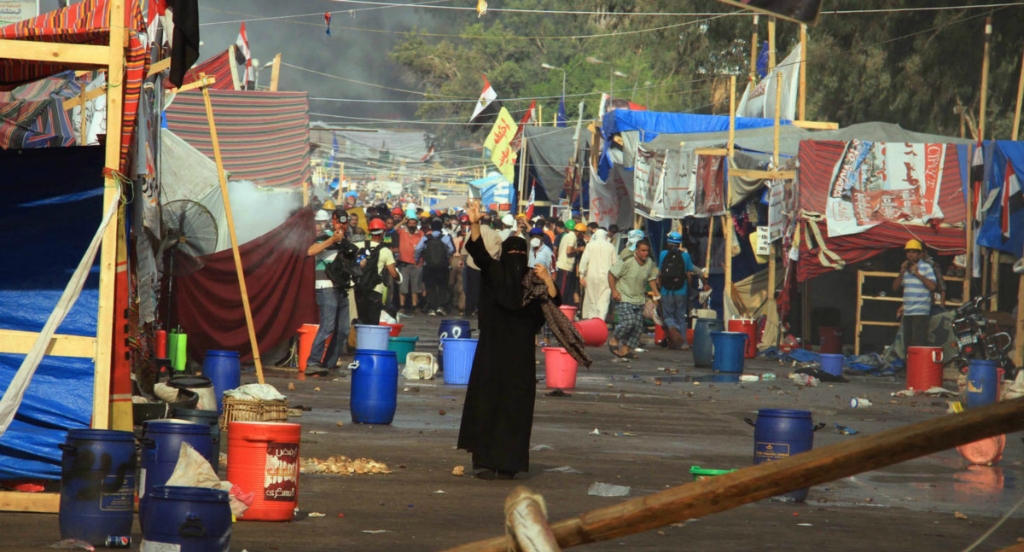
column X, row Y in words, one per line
column 629, row 279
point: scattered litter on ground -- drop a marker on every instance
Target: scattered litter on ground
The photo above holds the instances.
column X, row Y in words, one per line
column 939, row 392
column 291, row 386
column 343, row 465
column 625, row 434
column 903, row 393
column 805, row 524
column 375, row 531
column 539, row 448
column 696, row 383
column 563, row 469
column 859, row 402
column 317, row 514
column 459, row 471
column 316, row 389
column 439, row 491
column 294, row 413
column 959, row 515
column 441, row 412
column 595, row 432
column 749, row 378
column 317, row 432
column 340, row 423
column 72, row 544
column 846, row 430
column 341, row 515
column 804, row 380
column 607, row 489
column 768, row 376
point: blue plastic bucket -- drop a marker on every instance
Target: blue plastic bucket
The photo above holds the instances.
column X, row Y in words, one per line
column 982, row 383
column 97, row 485
column 374, row 387
column 372, row 338
column 779, row 434
column 224, row 371
column 161, row 447
column 702, row 340
column 402, row 346
column 189, row 519
column 832, row 364
column 458, row 360
column 728, row 350
column 207, row 417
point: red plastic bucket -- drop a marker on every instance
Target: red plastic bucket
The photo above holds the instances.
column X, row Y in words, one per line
column 569, row 311
column 747, row 326
column 396, row 329
column 559, row 368
column 689, row 336
column 307, row 333
column 594, row 331
column 659, row 334
column 263, row 459
column 924, row 368
column 831, row 340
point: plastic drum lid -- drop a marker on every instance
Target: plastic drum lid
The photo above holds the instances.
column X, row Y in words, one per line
column 195, row 494
column 784, row 413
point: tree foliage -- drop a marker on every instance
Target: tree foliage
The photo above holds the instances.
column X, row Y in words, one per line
column 912, row 68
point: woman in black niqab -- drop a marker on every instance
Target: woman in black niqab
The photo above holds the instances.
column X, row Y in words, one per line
column 498, row 414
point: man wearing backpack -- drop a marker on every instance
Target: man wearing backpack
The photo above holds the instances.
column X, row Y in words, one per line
column 370, row 287
column 331, row 297
column 674, row 269
column 435, row 250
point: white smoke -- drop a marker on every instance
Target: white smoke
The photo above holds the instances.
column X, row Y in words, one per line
column 259, row 210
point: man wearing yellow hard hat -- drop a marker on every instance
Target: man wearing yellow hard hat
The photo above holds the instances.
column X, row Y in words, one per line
column 918, row 282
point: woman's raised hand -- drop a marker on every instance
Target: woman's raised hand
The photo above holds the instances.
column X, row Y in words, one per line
column 473, row 211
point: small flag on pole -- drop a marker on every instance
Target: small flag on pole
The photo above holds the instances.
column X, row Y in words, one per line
column 327, row 19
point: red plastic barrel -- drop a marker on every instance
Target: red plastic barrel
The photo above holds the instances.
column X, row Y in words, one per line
column 263, row 459
column 161, row 343
column 659, row 334
column 594, row 331
column 831, row 339
column 307, row 333
column 747, row 326
column 924, row 368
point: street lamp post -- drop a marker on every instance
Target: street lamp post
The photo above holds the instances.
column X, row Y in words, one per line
column 611, row 90
column 552, row 67
column 256, row 63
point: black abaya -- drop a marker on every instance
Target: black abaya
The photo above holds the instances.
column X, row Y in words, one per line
column 498, row 415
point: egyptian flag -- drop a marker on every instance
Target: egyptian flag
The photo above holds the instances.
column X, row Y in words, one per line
column 487, row 107
column 529, row 205
column 244, row 57
column 183, row 34
column 429, row 156
column 517, row 140
column 1011, row 201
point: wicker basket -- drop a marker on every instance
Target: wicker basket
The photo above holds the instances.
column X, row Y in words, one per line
column 238, row 410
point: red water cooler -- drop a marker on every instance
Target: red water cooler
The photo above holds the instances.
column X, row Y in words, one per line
column 746, row 326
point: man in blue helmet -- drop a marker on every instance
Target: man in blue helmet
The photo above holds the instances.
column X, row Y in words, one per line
column 674, row 270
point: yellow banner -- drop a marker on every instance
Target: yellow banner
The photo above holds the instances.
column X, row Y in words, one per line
column 499, row 140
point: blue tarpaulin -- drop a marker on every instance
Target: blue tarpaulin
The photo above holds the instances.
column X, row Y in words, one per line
column 652, row 123
column 53, row 201
column 494, row 190
column 991, row 233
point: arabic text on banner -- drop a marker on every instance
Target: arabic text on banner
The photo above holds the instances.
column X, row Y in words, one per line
column 680, row 181
column 499, row 142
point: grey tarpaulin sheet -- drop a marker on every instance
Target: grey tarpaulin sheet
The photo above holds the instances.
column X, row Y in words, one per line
column 549, row 150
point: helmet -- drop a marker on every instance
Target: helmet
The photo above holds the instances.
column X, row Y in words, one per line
column 321, row 216
column 410, row 213
column 570, row 225
column 580, row 227
column 329, row 205
column 913, row 245
column 463, row 218
column 351, row 193
column 377, row 225
column 397, row 211
column 521, row 216
column 675, row 238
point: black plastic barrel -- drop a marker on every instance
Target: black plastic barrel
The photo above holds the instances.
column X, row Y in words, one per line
column 97, row 485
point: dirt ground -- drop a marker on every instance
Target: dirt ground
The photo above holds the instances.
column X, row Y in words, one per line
column 652, row 427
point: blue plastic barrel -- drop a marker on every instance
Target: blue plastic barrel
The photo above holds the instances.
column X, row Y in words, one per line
column 779, row 434
column 402, row 346
column 190, row 519
column 458, row 360
column 702, row 340
column 832, row 363
column 374, row 396
column 728, row 350
column 453, row 329
column 207, row 417
column 97, row 485
column 372, row 338
column 982, row 383
column 225, row 371
column 161, row 446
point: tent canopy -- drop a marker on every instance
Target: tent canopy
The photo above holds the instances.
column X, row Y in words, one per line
column 550, row 150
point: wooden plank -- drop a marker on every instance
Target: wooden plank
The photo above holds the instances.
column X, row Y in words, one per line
column 720, row 152
column 234, row 67
column 56, row 52
column 857, row 327
column 42, row 503
column 815, row 125
column 88, row 95
column 879, row 274
column 76, row 346
column 159, row 66
column 525, row 514
column 766, row 175
column 111, row 193
column 876, row 298
column 814, row 467
column 984, row 80
column 802, row 94
column 200, row 83
column 275, row 74
column 884, row 324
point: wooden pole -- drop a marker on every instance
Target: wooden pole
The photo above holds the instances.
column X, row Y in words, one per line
column 526, row 516
column 1018, row 352
column 814, row 467
column 522, row 171
column 984, row 80
column 727, row 219
column 771, row 44
column 753, row 52
column 234, row 67
column 993, row 304
column 275, row 74
column 802, row 102
column 711, row 237
column 305, row 193
column 775, row 162
column 231, row 231
column 111, row 193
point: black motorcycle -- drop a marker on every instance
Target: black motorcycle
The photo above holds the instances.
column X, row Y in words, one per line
column 978, row 338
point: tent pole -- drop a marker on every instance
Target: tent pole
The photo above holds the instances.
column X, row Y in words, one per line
column 522, row 172
column 234, row 67
column 753, row 51
column 775, row 166
column 771, row 44
column 111, row 192
column 981, row 137
column 727, row 219
column 275, row 74
column 1018, row 353
column 802, row 102
column 231, row 231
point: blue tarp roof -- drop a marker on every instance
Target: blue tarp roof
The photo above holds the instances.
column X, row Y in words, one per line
column 997, row 156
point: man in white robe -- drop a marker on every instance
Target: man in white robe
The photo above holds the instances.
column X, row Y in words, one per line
column 598, row 258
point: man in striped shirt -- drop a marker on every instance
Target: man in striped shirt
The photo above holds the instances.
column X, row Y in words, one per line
column 918, row 281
